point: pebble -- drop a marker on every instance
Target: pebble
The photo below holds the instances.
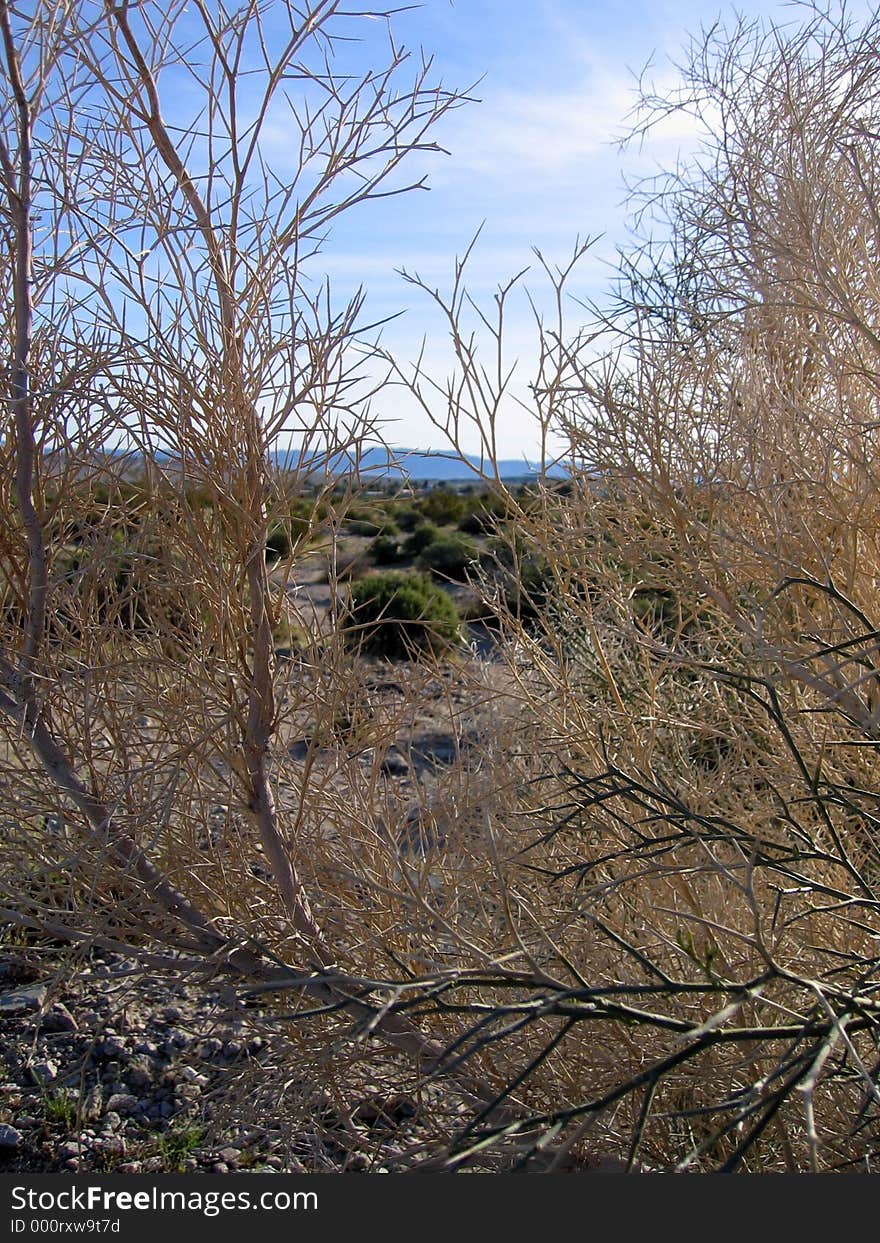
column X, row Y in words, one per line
column 57, row 1020
column 395, row 766
column 122, row 1103
column 112, row 1145
column 22, row 1000
column 10, row 1138
column 70, row 1149
column 134, row 1074
column 138, row 1072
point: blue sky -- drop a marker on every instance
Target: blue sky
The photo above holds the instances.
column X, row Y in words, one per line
column 535, row 162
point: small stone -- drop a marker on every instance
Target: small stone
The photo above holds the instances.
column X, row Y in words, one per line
column 27, row 1121
column 122, row 1103
column 210, row 1048
column 111, row 1047
column 231, row 1050
column 58, row 1019
column 166, row 1109
column 129, row 1167
column 219, row 1167
column 171, row 1014
column 274, row 1163
column 178, row 1038
column 22, row 1001
column 112, row 1120
column 72, row 1164
column 147, row 1048
column 70, row 1149
column 230, row 1155
column 139, row 1072
column 44, row 1072
column 394, row 766
column 10, row 1138
column 112, row 1145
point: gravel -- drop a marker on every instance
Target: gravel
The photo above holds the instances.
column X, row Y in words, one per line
column 99, row 1076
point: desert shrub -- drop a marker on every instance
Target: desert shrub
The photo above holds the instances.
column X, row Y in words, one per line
column 385, row 550
column 517, row 571
column 345, row 564
column 363, row 526
column 405, row 514
column 442, row 506
column 691, row 625
column 423, row 535
column 278, row 545
column 485, row 511
column 121, row 589
column 449, row 557
column 400, row 615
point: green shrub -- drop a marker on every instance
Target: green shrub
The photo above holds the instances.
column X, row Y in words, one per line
column 449, row 556
column 406, row 515
column 522, row 572
column 424, row 534
column 400, row 615
column 278, row 544
column 292, row 528
column 442, row 506
column 385, row 550
column 485, row 512
column 370, row 520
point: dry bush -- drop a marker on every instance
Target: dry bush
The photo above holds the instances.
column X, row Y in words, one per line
column 690, row 858
column 167, row 340
column 634, row 918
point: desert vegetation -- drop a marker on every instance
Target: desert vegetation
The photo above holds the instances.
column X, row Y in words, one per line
column 588, row 881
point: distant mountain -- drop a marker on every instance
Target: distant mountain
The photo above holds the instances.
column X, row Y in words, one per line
column 418, row 466
column 377, row 463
